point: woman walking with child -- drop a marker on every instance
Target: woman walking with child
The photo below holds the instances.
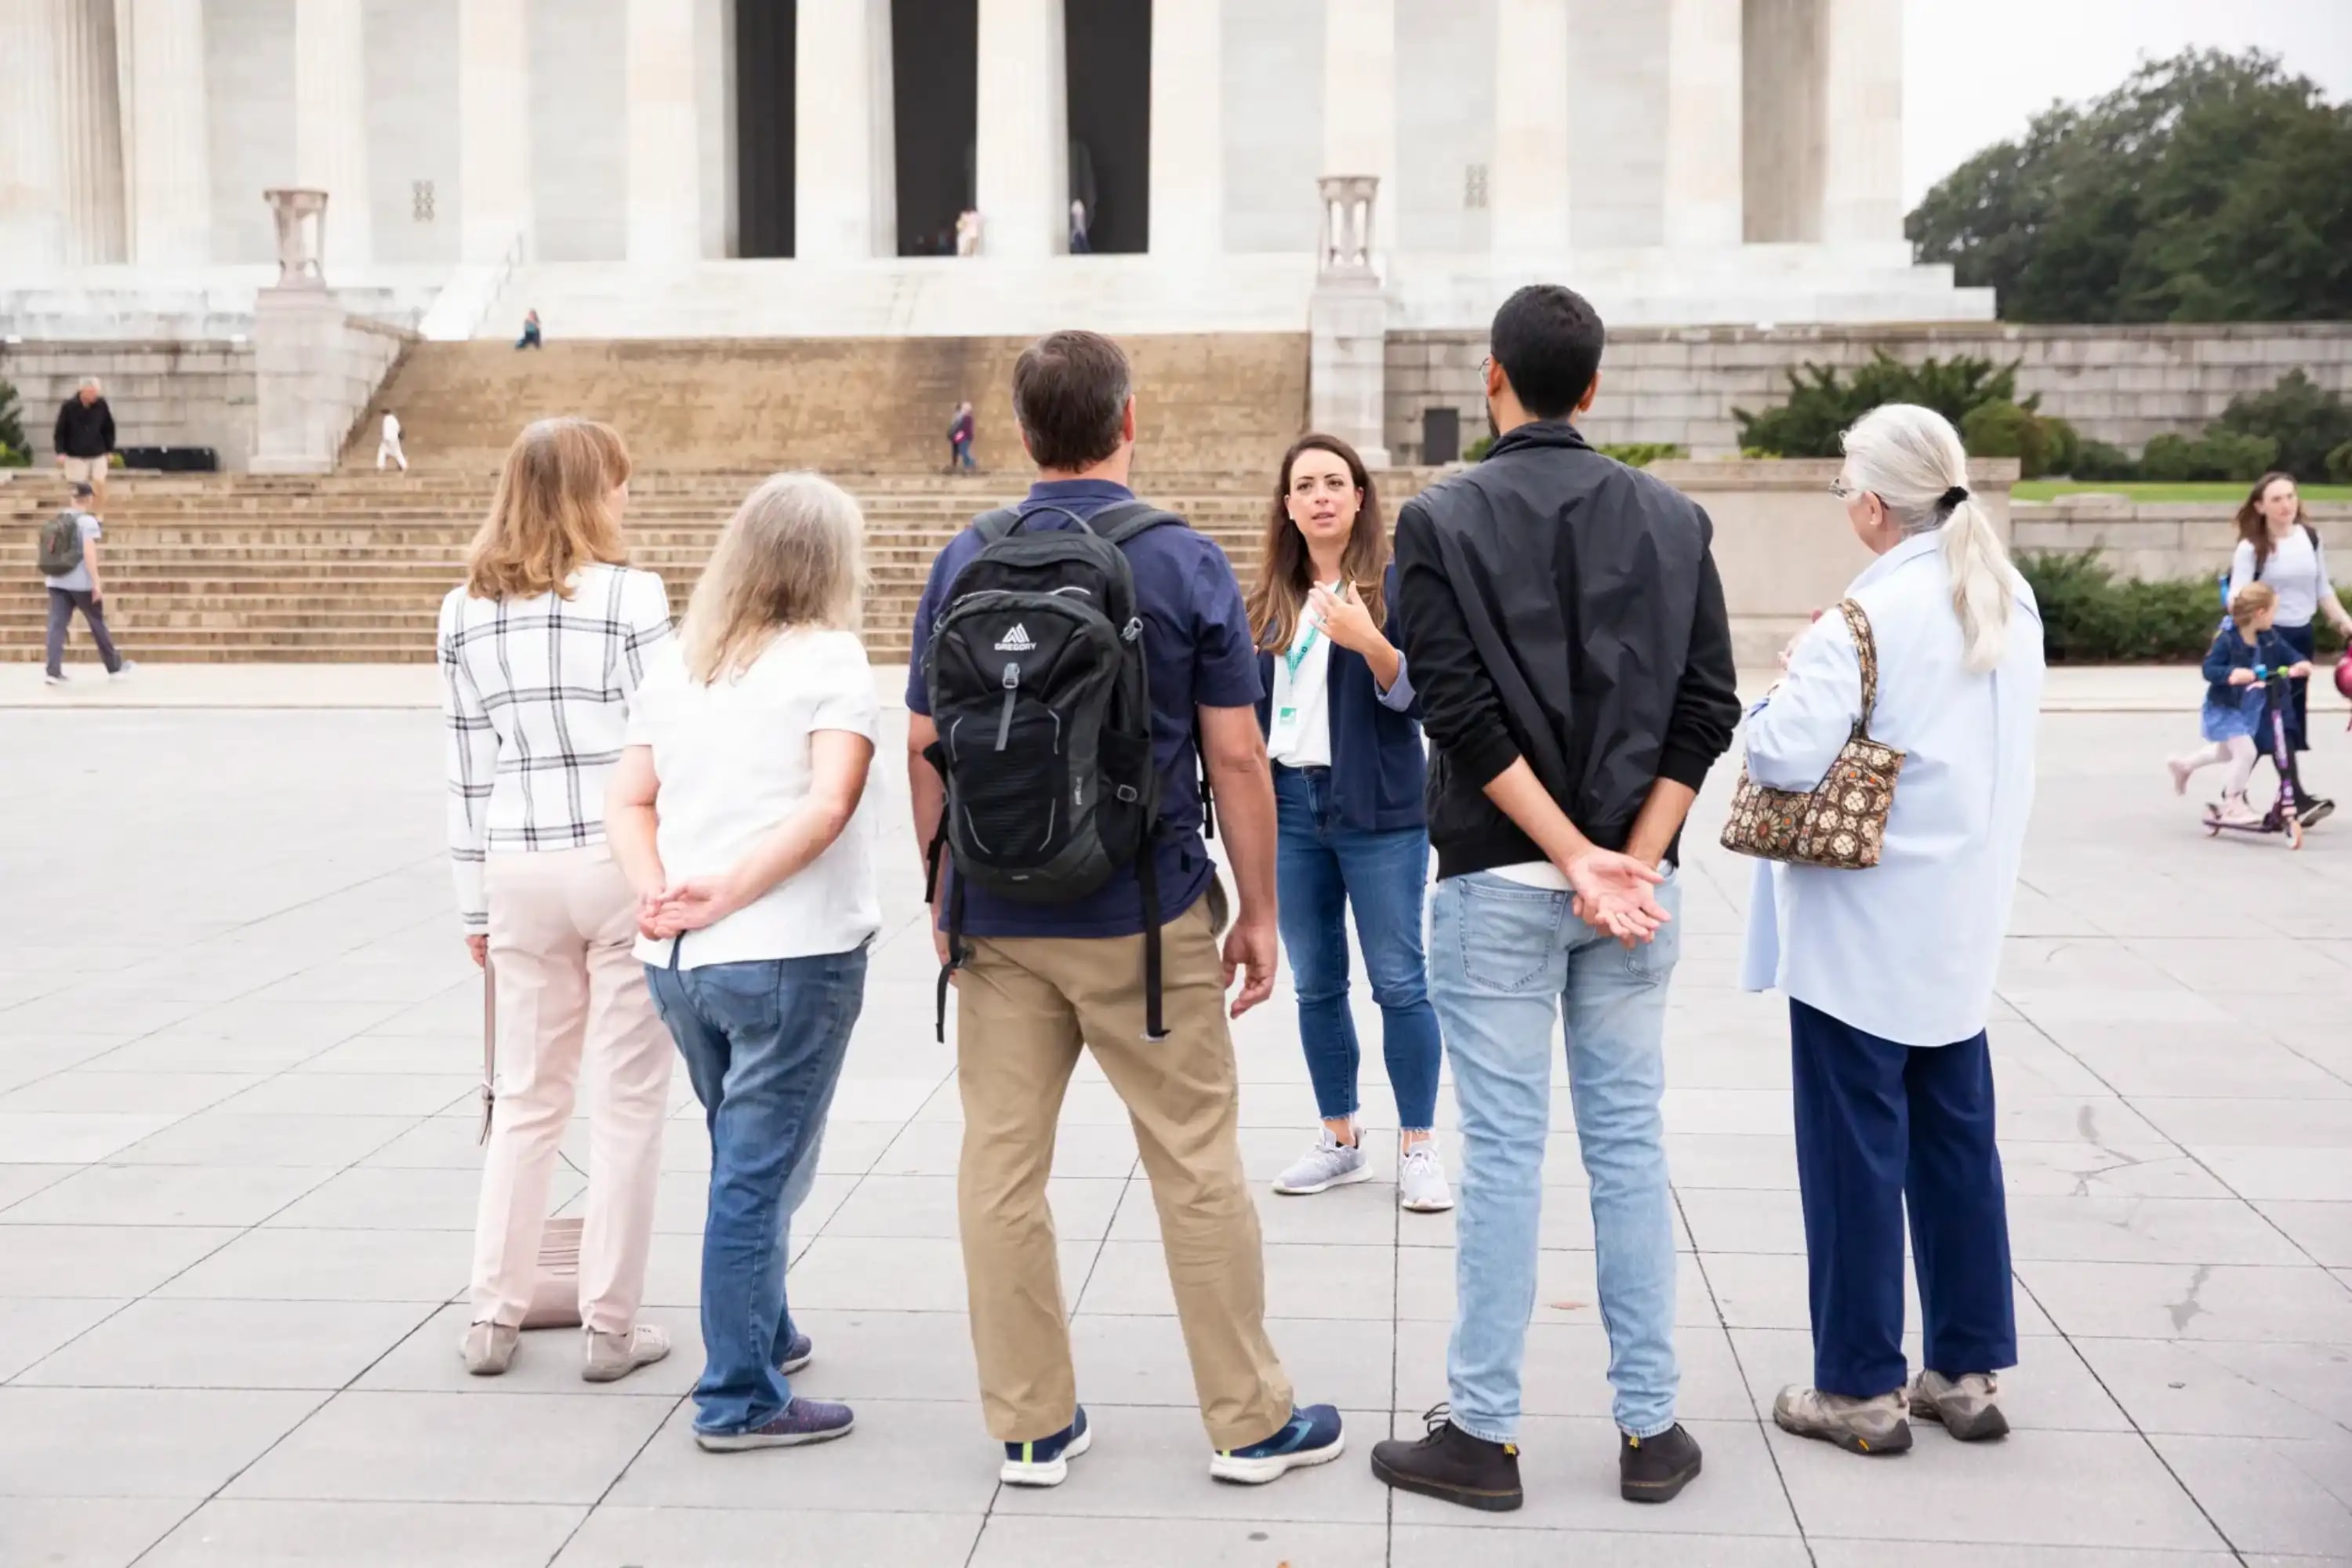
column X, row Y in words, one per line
column 541, row 651
column 738, row 813
column 1348, row 770
column 2278, row 547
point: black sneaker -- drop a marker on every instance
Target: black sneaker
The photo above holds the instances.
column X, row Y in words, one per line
column 1450, row 1464
column 2314, row 809
column 1654, row 1470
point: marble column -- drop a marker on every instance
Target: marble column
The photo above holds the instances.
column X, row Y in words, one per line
column 1188, row 140
column 1862, row 141
column 1706, row 62
column 1022, row 160
column 1359, row 90
column 166, row 155
column 1527, row 186
column 331, row 142
column 665, row 200
column 494, row 127
column 32, row 128
column 844, row 144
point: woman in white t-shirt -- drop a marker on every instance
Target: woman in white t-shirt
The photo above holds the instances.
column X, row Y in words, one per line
column 738, row 813
column 2278, row 546
column 1348, row 772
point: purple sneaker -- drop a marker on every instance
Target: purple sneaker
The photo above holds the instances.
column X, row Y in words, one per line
column 797, row 1354
column 801, row 1421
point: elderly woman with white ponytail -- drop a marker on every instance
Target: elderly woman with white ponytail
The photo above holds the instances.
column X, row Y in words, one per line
column 1889, row 971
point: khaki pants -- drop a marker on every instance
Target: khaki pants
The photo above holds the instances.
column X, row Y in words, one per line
column 571, row 1005
column 1026, row 1005
column 90, row 471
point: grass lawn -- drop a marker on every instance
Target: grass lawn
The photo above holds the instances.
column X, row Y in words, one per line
column 2228, row 491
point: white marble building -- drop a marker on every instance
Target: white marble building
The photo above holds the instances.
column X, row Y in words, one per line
column 644, row 166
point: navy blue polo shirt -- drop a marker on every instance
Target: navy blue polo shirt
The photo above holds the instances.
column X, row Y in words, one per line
column 1198, row 650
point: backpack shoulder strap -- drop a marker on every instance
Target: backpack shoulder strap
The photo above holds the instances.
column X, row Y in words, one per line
column 1117, row 525
column 992, row 526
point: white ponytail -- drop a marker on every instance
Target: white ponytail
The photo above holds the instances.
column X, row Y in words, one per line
column 1911, row 458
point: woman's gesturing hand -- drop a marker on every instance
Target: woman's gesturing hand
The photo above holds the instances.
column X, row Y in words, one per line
column 1344, row 619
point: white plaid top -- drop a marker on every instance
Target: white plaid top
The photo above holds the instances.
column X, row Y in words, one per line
column 536, row 693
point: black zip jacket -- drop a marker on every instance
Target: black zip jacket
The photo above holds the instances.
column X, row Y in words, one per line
column 1562, row 607
column 84, row 432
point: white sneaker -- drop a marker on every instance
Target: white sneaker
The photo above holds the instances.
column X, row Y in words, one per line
column 120, row 671
column 48, row 679
column 1421, row 1180
column 1330, row 1163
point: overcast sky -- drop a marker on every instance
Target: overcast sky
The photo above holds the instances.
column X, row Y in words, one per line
column 1974, row 71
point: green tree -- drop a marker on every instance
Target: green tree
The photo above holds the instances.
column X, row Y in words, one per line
column 2207, row 187
column 1821, row 407
column 15, row 452
column 2305, row 419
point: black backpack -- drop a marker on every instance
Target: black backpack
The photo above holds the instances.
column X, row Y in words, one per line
column 1042, row 704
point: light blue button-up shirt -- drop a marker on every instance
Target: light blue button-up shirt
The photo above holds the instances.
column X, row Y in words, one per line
column 1908, row 949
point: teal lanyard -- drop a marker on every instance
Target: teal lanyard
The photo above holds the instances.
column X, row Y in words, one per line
column 1293, row 659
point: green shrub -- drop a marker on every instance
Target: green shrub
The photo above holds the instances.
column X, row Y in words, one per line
column 2065, row 444
column 2304, row 421
column 12, row 429
column 2217, row 454
column 2339, row 464
column 2003, row 429
column 1821, row 408
column 2091, row 616
column 15, row 457
column 1476, row 452
column 1641, row 453
column 2100, row 460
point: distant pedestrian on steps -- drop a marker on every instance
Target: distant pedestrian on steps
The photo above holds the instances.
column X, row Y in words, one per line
column 388, row 445
column 530, row 339
column 961, row 430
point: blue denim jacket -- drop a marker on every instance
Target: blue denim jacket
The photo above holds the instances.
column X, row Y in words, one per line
column 2230, row 651
column 1379, row 769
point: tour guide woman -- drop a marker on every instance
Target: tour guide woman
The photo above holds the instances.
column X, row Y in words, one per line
column 1889, row 971
column 1348, row 775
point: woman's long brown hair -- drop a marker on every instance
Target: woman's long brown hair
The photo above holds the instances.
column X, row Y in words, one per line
column 2253, row 527
column 553, row 510
column 1285, row 571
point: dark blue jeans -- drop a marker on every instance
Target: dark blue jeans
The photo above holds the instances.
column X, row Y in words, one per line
column 763, row 1045
column 1321, row 870
column 1878, row 1123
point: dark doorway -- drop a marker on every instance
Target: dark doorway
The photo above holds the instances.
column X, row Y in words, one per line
column 934, row 107
column 765, row 32
column 1108, row 46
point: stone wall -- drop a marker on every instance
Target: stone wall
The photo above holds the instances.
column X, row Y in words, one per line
column 2161, row 541
column 2121, row 385
column 195, row 394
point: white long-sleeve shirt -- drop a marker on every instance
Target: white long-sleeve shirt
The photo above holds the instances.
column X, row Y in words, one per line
column 1909, row 949
column 536, row 693
column 2297, row 572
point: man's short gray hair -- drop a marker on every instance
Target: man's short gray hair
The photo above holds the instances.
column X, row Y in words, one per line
column 89, row 383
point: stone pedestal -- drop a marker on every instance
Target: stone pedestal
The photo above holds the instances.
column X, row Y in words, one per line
column 297, row 334
column 302, row 219
column 1348, row 322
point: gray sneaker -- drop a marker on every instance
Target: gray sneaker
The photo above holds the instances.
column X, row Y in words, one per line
column 1421, row 1180
column 1330, row 1163
column 489, row 1349
column 1858, row 1426
column 612, row 1357
column 801, row 1422
column 1968, row 1407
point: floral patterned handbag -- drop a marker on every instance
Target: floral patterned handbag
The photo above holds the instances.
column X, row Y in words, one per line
column 1840, row 823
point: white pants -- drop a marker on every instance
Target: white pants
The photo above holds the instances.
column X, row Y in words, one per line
column 390, row 449
column 571, row 1005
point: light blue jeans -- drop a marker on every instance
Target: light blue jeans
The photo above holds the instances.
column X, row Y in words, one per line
column 1506, row 961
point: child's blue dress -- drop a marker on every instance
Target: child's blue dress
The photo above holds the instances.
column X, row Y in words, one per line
column 2229, row 711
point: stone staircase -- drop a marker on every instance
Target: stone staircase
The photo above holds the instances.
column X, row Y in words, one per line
column 351, row 568
column 1206, row 403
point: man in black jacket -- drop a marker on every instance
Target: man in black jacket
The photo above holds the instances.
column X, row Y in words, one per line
column 84, row 439
column 1567, row 634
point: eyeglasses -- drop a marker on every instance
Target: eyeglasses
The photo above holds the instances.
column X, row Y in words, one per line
column 1844, row 488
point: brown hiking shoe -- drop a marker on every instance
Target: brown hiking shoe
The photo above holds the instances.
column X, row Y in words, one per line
column 1858, row 1426
column 1967, row 1406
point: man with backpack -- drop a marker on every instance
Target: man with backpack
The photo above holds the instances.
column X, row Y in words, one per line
column 68, row 562
column 1079, row 661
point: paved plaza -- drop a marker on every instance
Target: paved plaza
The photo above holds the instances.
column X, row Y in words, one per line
column 239, row 1043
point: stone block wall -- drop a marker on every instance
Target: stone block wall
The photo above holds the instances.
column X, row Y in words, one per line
column 2157, row 542
column 2120, row 385
column 316, row 369
column 163, row 393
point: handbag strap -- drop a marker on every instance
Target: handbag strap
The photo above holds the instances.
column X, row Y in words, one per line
column 490, row 1048
column 1866, row 647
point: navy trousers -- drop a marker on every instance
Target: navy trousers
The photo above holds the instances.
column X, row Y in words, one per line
column 1879, row 1124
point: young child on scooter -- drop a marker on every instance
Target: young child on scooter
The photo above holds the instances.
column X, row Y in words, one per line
column 2235, row 699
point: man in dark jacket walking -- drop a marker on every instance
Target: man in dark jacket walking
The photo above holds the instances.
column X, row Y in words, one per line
column 1567, row 633
column 84, row 439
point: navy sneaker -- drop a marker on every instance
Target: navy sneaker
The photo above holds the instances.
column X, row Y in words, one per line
column 801, row 1421
column 1046, row 1462
column 797, row 1354
column 1311, row 1437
